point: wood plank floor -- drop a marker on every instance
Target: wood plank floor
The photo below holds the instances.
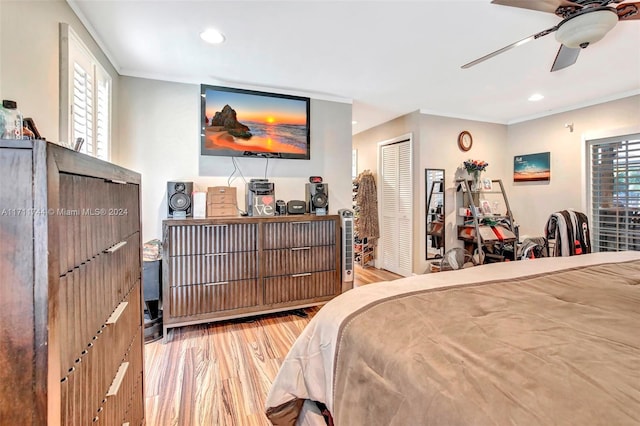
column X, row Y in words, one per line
column 220, row 373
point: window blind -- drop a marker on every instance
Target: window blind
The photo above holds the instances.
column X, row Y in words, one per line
column 89, row 100
column 615, row 193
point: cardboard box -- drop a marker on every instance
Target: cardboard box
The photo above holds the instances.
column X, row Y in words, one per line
column 221, row 210
column 222, row 195
column 222, row 201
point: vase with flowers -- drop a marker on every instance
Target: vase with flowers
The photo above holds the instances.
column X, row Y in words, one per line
column 474, row 168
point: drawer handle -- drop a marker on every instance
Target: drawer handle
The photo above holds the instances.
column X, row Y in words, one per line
column 218, row 283
column 117, row 381
column 121, row 182
column 300, row 248
column 216, row 254
column 115, row 316
column 306, row 222
column 306, row 274
column 116, row 247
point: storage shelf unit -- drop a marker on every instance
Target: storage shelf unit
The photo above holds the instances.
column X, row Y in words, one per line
column 72, row 323
column 223, row 268
column 488, row 227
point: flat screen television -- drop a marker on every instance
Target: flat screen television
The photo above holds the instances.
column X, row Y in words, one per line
column 247, row 123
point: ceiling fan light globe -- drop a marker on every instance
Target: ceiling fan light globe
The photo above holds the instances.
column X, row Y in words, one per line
column 586, row 28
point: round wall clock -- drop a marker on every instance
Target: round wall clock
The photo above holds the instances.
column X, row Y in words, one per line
column 465, row 140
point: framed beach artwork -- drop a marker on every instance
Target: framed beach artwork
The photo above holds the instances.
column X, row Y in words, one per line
column 532, row 167
column 247, row 123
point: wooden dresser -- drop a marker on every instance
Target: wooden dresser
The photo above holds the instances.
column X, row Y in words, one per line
column 70, row 299
column 223, row 268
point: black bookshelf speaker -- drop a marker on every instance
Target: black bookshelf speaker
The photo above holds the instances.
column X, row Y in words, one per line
column 317, row 197
column 179, row 199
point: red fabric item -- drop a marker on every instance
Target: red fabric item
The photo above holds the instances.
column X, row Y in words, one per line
column 498, row 233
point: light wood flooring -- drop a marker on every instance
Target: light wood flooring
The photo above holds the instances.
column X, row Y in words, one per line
column 220, row 373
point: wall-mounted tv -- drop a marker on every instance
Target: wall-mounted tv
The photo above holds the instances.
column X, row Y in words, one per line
column 246, row 123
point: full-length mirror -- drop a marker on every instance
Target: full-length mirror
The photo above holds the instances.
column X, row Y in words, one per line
column 434, row 184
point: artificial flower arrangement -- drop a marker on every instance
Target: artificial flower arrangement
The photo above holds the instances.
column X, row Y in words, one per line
column 475, row 166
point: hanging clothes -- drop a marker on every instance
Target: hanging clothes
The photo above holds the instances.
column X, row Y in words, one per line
column 569, row 231
column 366, row 199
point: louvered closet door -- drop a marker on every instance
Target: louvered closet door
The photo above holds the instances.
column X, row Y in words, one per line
column 396, row 248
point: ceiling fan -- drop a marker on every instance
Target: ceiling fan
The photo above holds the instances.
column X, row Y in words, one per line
column 584, row 22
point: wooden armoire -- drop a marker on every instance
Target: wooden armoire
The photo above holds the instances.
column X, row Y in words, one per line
column 71, row 323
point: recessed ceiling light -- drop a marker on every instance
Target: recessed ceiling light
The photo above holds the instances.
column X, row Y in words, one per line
column 354, row 122
column 212, row 36
column 536, row 97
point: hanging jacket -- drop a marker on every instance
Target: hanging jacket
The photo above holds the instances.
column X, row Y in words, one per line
column 570, row 231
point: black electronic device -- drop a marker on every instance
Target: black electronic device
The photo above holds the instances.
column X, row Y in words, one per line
column 317, row 198
column 315, row 179
column 228, row 126
column 179, row 199
column 296, row 207
column 259, row 198
column 281, row 207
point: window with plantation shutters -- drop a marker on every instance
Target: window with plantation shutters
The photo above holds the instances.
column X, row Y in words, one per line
column 614, row 178
column 87, row 99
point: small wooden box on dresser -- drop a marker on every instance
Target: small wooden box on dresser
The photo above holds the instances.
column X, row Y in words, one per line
column 71, row 324
column 223, row 268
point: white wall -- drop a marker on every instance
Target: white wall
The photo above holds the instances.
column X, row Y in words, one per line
column 29, row 59
column 439, row 143
column 533, row 202
column 435, row 146
column 160, row 137
column 156, row 126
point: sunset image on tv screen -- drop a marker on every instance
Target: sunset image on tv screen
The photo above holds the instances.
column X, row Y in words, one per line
column 247, row 122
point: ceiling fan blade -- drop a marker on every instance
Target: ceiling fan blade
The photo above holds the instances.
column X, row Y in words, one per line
column 628, row 11
column 541, row 5
column 566, row 56
column 509, row 47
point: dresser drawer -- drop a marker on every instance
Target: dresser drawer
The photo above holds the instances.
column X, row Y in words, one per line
column 299, row 260
column 299, row 234
column 212, row 297
column 122, row 404
column 87, row 295
column 92, row 214
column 299, row 287
column 99, row 360
column 214, row 267
column 208, row 239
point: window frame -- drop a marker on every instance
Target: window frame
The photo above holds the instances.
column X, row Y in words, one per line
column 73, row 50
column 619, row 227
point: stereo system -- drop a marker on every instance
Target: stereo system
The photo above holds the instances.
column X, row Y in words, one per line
column 179, row 203
column 296, row 207
column 317, row 198
column 260, row 198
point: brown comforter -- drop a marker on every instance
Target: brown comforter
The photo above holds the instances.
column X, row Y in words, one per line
column 554, row 348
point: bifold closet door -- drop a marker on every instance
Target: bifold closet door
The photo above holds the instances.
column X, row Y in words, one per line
column 396, row 227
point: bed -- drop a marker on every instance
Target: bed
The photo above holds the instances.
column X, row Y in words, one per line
column 545, row 341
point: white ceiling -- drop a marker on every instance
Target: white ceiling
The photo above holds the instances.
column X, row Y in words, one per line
column 388, row 57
